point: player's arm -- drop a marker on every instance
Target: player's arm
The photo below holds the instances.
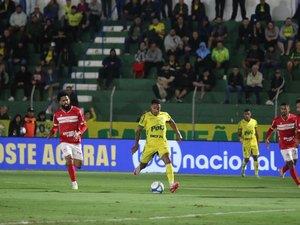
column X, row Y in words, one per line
column 137, row 138
column 269, row 134
column 54, row 128
column 81, row 128
column 240, row 132
column 257, row 136
column 174, row 127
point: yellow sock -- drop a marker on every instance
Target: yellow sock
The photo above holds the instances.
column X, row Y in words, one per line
column 256, row 168
column 170, row 173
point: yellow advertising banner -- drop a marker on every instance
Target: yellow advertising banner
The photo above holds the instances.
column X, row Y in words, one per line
column 126, row 130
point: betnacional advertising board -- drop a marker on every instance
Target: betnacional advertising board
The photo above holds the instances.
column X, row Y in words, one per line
column 188, row 157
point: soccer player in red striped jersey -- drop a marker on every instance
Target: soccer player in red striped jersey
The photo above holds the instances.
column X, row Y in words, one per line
column 71, row 124
column 298, row 122
column 285, row 124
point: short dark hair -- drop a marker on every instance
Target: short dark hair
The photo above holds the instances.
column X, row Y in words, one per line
column 155, row 101
column 246, row 110
column 61, row 94
column 284, row 104
column 298, row 101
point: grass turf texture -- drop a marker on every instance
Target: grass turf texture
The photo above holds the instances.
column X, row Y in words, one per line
column 46, row 197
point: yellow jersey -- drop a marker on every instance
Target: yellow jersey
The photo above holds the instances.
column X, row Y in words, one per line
column 156, row 128
column 248, row 131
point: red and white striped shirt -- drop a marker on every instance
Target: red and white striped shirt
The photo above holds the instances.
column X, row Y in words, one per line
column 68, row 123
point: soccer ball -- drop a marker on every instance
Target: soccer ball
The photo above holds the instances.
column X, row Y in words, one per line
column 157, row 187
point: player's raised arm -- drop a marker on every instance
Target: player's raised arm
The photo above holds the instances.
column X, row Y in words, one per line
column 174, row 127
column 137, row 138
column 269, row 134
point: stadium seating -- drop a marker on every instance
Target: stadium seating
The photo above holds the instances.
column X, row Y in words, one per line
column 132, row 96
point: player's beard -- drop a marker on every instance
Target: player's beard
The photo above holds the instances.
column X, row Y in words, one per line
column 66, row 107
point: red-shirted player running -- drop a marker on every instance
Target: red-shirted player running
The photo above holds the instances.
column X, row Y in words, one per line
column 71, row 124
column 286, row 128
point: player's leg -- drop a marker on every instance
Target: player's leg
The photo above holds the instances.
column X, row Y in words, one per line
column 255, row 154
column 283, row 170
column 288, row 156
column 67, row 153
column 165, row 157
column 246, row 154
column 146, row 156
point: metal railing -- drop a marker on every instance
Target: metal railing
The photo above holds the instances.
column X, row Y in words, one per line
column 111, row 111
column 279, row 90
column 193, row 112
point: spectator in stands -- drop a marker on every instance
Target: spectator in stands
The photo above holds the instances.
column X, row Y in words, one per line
column 235, row 9
column 220, row 57
column 42, row 125
column 34, row 33
column 136, row 34
column 148, row 10
column 234, row 84
column 164, row 87
column 106, row 8
column 4, row 53
column 139, row 64
column 192, row 45
column 294, row 60
column 15, row 126
column 153, row 59
column 205, row 30
column 262, row 12
column 49, row 56
column 4, row 112
column 120, row 4
column 198, row 13
column 206, row 82
column 61, row 41
column 90, row 115
column 21, row 81
column 181, row 29
column 95, row 18
column 271, row 59
column 169, row 4
column 131, row 10
column 37, row 14
column 51, row 10
column 66, row 11
column 38, row 80
column 29, row 123
column 7, row 8
column 66, row 59
column 4, row 78
column 82, row 7
column 254, row 56
column 203, row 58
column 48, row 32
column 277, row 85
column 52, row 108
column 219, row 8
column 111, row 69
column 180, row 9
column 245, row 34
column 18, row 20
column 173, row 43
column 254, row 84
column 173, row 63
column 258, row 35
column 51, row 82
column 271, row 34
column 73, row 22
column 219, row 32
column 287, row 35
column 184, row 81
column 18, row 56
column 156, row 32
column 72, row 96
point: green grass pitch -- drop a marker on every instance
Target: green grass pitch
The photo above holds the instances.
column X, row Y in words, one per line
column 46, row 197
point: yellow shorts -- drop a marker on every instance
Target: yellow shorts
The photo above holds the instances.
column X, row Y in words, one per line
column 249, row 150
column 149, row 152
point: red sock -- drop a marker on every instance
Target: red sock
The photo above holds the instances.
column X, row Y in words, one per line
column 294, row 174
column 72, row 173
column 285, row 168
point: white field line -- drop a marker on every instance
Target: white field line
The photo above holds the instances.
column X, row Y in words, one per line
column 149, row 218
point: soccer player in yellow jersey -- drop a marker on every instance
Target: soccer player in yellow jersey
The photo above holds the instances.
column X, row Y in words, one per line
column 155, row 124
column 248, row 136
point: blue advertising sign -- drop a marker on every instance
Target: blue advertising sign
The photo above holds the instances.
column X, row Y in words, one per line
column 188, row 157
